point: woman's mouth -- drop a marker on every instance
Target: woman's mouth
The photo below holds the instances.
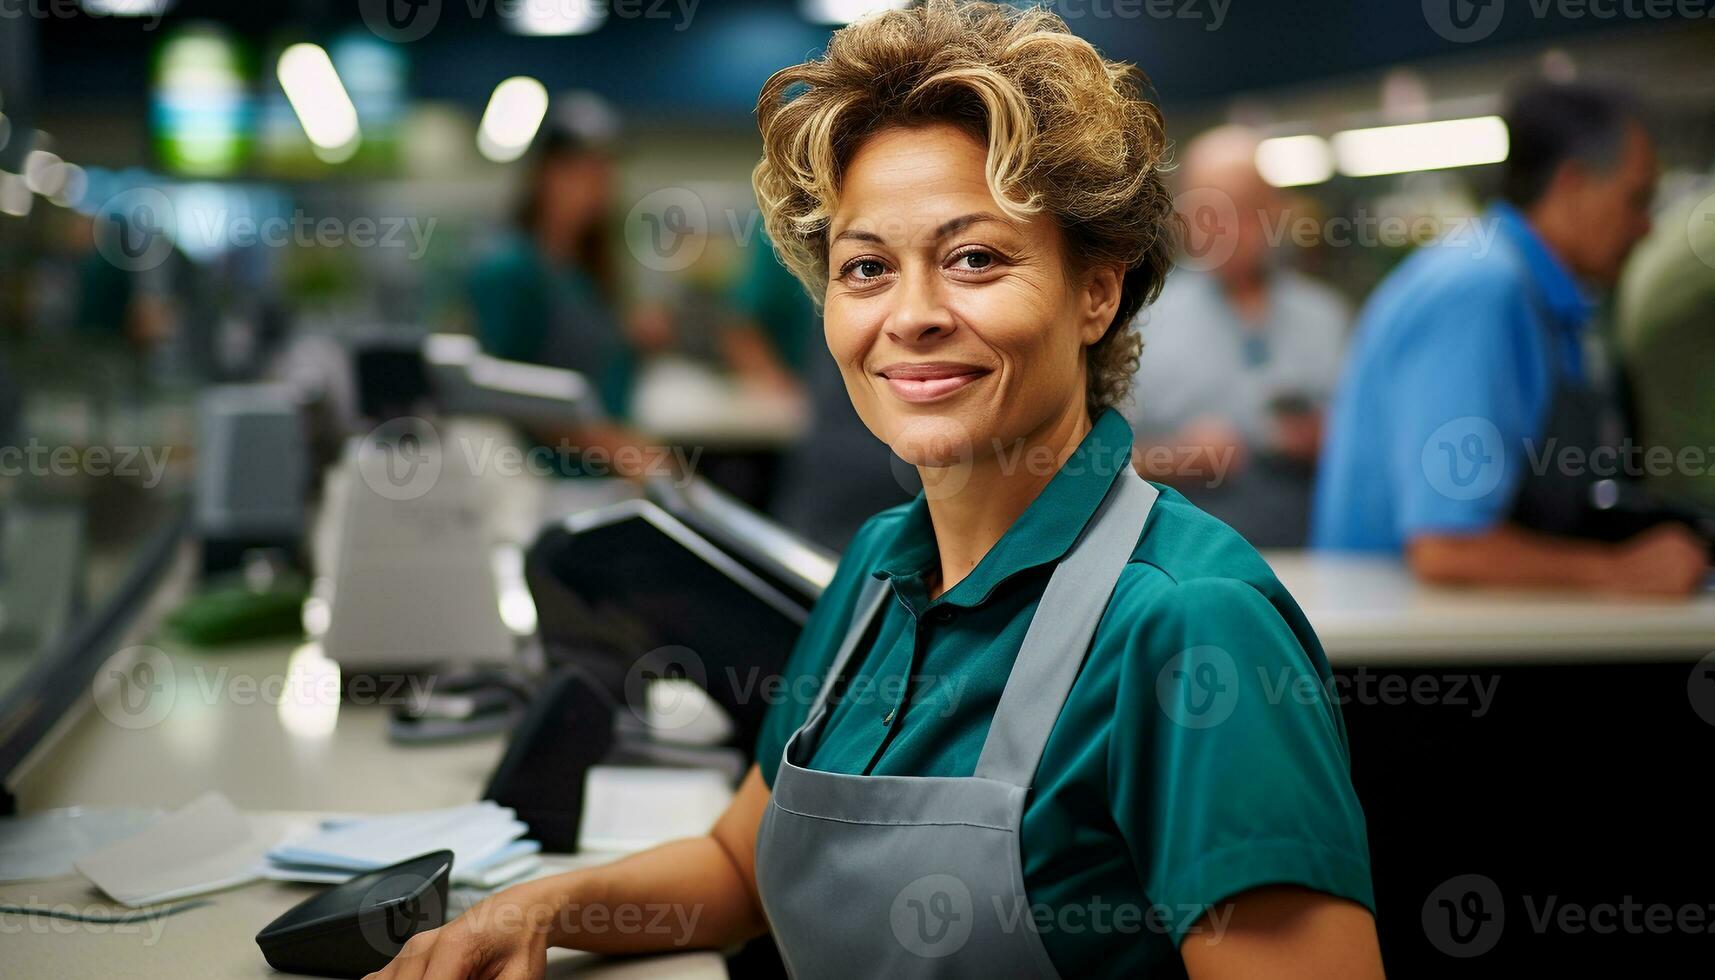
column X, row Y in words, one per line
column 929, row 381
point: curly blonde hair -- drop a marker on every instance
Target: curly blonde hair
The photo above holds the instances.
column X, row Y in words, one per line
column 1069, row 133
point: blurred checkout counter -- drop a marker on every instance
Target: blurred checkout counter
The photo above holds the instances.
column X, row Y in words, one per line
column 1554, row 743
column 1543, row 740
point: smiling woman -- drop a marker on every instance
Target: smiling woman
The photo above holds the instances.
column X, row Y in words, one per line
column 1079, row 762
column 1062, row 138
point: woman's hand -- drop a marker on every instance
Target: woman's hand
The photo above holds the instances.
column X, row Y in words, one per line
column 503, row 937
column 696, row 893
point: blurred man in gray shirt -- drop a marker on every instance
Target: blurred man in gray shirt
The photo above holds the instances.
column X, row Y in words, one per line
column 1240, row 355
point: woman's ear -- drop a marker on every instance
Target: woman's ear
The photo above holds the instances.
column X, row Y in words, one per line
column 1099, row 301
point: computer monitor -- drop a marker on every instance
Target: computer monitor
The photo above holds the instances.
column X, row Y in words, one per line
column 790, row 563
column 465, row 381
column 634, row 588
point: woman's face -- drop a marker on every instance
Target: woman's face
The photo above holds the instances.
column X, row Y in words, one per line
column 575, row 190
column 958, row 331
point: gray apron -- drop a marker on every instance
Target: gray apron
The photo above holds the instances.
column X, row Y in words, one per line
column 917, row 876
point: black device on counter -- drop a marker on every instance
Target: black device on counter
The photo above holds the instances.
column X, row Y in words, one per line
column 684, row 584
column 356, row 928
column 565, row 731
column 689, row 585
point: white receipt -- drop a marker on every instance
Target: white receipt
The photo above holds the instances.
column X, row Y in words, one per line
column 628, row 808
column 204, row 847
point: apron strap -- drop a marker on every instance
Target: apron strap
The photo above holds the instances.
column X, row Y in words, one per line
column 868, row 604
column 1059, row 634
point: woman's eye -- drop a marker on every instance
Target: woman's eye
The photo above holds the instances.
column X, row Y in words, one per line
column 974, row 261
column 865, row 269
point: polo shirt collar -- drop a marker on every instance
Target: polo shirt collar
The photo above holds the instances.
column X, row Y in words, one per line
column 1560, row 292
column 1044, row 533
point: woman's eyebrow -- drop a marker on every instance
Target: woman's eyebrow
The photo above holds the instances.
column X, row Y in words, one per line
column 852, row 234
column 941, row 231
column 963, row 221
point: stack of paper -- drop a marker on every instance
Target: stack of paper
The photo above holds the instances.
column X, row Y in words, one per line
column 486, row 840
column 45, row 845
column 204, row 847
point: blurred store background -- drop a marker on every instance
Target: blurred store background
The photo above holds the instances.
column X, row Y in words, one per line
column 327, row 171
column 270, row 197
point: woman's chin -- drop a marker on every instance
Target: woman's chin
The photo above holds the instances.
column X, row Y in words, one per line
column 934, row 440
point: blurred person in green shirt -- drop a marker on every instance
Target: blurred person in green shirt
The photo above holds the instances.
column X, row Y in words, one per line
column 545, row 293
column 1667, row 337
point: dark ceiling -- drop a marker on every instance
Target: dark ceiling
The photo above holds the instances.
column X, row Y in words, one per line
column 1195, row 50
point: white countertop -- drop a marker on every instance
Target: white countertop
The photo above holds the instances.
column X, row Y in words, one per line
column 1372, row 612
column 231, row 727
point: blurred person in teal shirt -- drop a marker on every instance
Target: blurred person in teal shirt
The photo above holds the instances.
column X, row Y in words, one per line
column 546, row 292
column 769, row 341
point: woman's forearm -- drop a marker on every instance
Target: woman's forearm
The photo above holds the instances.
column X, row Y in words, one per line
column 695, row 893
column 682, row 894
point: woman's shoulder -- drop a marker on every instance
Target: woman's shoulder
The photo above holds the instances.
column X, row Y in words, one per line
column 1188, row 564
column 1185, row 544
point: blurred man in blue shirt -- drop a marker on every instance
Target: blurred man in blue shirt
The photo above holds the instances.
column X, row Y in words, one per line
column 1465, row 423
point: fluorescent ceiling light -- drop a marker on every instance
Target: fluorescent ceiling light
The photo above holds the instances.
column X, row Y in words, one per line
column 1421, row 146
column 844, row 11
column 72, row 188
column 15, row 197
column 44, row 172
column 1291, row 161
column 323, row 107
column 126, row 8
column 514, row 113
column 548, row 18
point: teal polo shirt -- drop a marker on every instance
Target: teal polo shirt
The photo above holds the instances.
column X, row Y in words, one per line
column 1200, row 752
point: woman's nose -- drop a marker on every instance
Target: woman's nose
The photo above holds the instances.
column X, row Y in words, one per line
column 920, row 311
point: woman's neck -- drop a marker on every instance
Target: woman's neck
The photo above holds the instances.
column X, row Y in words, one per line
column 971, row 507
